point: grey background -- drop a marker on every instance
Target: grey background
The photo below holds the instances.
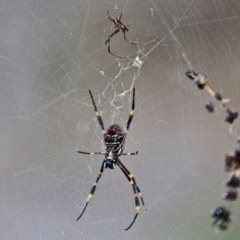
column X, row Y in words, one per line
column 51, row 53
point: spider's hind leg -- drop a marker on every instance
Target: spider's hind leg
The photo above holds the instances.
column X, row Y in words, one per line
column 136, row 190
column 132, row 181
column 124, row 35
column 92, row 190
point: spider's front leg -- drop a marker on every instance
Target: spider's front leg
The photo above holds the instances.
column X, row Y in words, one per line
column 111, row 19
column 98, row 115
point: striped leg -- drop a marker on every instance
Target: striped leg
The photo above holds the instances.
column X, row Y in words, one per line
column 134, row 181
column 131, row 113
column 92, row 190
column 129, row 154
column 136, row 191
column 98, row 115
column 92, row 153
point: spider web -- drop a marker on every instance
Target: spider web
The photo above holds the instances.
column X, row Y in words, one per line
column 51, row 54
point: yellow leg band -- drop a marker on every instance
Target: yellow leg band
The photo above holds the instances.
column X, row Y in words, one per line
column 138, row 209
column 89, row 197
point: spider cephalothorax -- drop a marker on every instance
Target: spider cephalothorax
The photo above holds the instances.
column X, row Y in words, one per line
column 114, row 139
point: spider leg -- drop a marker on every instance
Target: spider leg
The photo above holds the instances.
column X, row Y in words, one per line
column 215, row 222
column 108, row 42
column 136, row 190
column 215, row 94
column 92, row 190
column 137, row 208
column 98, row 115
column 92, row 153
column 109, row 16
column 124, row 34
column 131, row 113
column 133, row 179
column 111, row 35
column 109, row 51
column 120, row 17
column 129, row 154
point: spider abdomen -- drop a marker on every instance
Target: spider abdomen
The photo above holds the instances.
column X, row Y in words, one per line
column 114, row 139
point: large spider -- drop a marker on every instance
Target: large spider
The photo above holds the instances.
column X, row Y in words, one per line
column 120, row 27
column 114, row 139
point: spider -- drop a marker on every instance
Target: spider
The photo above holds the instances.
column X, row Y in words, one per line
column 232, row 161
column 222, row 217
column 120, row 27
column 231, row 195
column 114, row 139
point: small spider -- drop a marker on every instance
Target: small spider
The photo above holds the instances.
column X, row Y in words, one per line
column 234, row 180
column 114, row 139
column 232, row 161
column 120, row 27
column 231, row 195
column 222, row 217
